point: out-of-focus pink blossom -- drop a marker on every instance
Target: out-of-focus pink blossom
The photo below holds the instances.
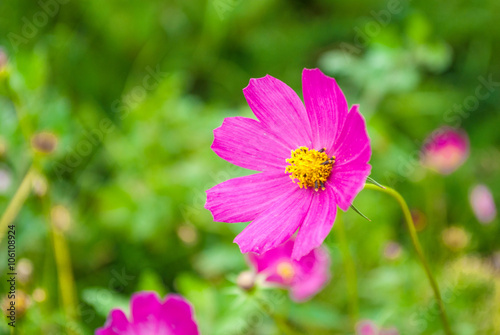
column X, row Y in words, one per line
column 152, row 315
column 368, row 327
column 445, row 150
column 482, row 203
column 304, row 278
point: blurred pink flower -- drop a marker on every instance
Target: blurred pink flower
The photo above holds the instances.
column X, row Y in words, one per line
column 304, row 278
column 3, row 59
column 445, row 150
column 149, row 315
column 368, row 327
column 322, row 147
column 392, row 250
column 482, row 203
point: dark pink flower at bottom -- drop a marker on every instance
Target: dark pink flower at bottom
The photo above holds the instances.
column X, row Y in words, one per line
column 304, row 278
column 312, row 157
column 152, row 316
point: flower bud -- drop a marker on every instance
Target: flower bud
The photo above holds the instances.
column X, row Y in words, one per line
column 22, row 301
column 246, row 280
column 187, row 234
column 40, row 185
column 39, row 295
column 455, row 238
column 61, row 217
column 44, row 142
column 24, row 270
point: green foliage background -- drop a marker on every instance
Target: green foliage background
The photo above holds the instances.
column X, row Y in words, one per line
column 133, row 158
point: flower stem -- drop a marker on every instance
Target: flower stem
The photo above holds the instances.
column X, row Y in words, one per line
column 349, row 269
column 418, row 248
column 65, row 275
column 17, row 202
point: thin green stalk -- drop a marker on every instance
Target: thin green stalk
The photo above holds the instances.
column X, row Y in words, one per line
column 418, row 248
column 17, row 202
column 65, row 275
column 349, row 269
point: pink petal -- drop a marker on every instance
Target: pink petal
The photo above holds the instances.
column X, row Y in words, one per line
column 352, row 152
column 117, row 324
column 313, row 276
column 353, row 142
column 245, row 142
column 326, row 106
column 271, row 257
column 317, row 223
column 347, row 182
column 178, row 315
column 445, row 150
column 280, row 110
column 243, row 199
column 366, row 327
column 145, row 307
column 483, row 204
column 277, row 224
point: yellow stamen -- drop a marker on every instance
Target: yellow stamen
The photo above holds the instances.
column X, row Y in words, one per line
column 286, row 271
column 310, row 167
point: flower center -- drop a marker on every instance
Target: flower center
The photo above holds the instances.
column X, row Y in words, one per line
column 285, row 270
column 310, row 167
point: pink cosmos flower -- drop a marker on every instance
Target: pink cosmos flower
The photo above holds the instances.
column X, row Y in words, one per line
column 482, row 204
column 367, row 327
column 445, row 150
column 150, row 315
column 304, row 278
column 311, row 159
column 3, row 59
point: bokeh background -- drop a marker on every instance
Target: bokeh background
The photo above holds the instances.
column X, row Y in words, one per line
column 109, row 108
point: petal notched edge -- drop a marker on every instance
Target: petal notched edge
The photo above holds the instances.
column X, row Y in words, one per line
column 277, row 224
column 326, row 106
column 244, row 142
column 317, row 223
column 280, row 110
column 242, row 199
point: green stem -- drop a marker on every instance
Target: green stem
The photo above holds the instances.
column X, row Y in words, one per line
column 418, row 248
column 17, row 202
column 65, row 275
column 349, row 269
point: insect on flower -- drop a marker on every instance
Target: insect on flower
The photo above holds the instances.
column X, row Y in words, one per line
column 311, row 158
